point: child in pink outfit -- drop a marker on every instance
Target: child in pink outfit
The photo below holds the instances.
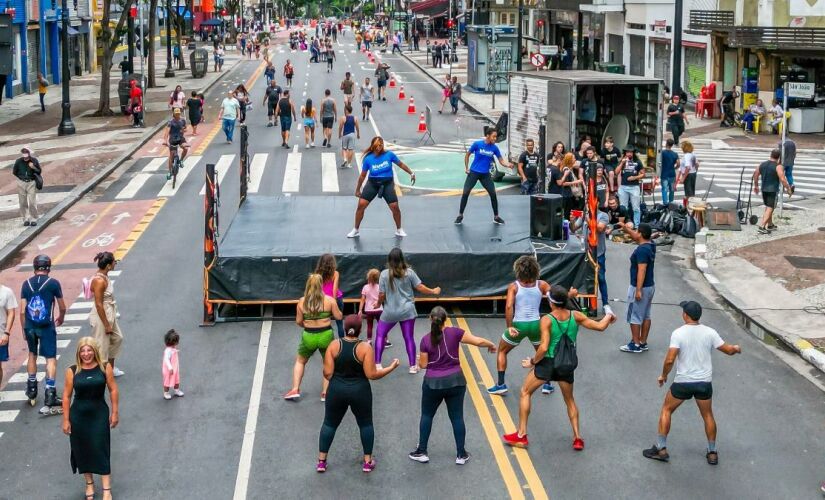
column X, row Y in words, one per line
column 369, row 307
column 170, row 367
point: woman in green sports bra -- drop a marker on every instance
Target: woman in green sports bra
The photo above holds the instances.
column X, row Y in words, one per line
column 315, row 314
column 560, row 321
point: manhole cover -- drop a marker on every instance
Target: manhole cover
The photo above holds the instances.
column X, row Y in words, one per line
column 798, row 262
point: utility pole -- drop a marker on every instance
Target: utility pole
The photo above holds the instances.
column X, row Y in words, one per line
column 519, row 34
column 66, row 126
column 130, row 39
column 676, row 70
column 169, row 73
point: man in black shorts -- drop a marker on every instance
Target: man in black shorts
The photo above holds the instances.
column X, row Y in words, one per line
column 691, row 347
column 271, row 98
column 173, row 137
column 285, row 111
column 772, row 173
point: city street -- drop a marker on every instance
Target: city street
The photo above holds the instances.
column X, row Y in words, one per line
column 233, row 436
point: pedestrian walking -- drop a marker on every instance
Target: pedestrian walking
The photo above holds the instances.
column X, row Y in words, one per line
column 269, row 72
column 642, row 287
column 176, row 54
column 28, row 172
column 242, row 96
column 104, row 316
column 308, row 115
column 369, row 306
column 349, row 366
column 688, row 171
column 631, row 171
column 367, row 96
column 285, row 111
column 528, row 166
column 42, row 88
column 788, row 148
column 396, row 43
column 135, row 104
column 522, row 316
column 437, row 52
column 327, row 267
column 177, row 98
column 691, row 349
column 289, row 72
column 415, row 39
column 230, row 108
column 329, row 115
column 378, row 163
column 455, row 94
column 445, row 92
column 382, row 75
column 38, row 295
column 87, row 419
column 349, row 130
column 771, row 173
column 219, row 53
column 271, row 98
column 314, row 315
column 444, row 382
column 193, row 106
column 347, row 87
column 667, row 176
column 8, row 311
column 676, row 118
column 486, row 152
column 170, row 367
column 553, row 362
column 330, row 57
column 397, row 285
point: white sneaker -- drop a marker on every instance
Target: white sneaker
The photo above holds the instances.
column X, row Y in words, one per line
column 178, row 393
column 414, row 370
column 167, row 395
column 306, row 146
column 117, row 372
column 354, row 233
column 400, row 232
column 312, row 144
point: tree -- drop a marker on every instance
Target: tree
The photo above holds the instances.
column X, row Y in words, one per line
column 153, row 9
column 179, row 22
column 110, row 42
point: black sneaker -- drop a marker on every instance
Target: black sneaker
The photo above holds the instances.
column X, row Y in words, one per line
column 498, row 220
column 324, row 144
column 644, row 346
column 655, row 453
column 387, row 344
column 713, row 457
column 762, row 230
column 27, row 223
column 458, row 220
column 419, row 456
column 771, row 226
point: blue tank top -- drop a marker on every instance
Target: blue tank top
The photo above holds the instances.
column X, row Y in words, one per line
column 349, row 125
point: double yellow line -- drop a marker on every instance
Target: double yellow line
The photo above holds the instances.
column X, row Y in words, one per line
column 515, row 490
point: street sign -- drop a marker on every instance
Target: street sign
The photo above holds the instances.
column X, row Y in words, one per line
column 802, row 90
column 548, row 50
column 537, row 60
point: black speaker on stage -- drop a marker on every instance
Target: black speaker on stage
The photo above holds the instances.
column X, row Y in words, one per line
column 546, row 214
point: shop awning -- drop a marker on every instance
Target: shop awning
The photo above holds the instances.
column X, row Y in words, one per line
column 697, row 45
column 431, row 7
column 600, row 8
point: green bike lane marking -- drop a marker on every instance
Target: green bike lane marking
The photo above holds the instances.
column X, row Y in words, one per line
column 435, row 171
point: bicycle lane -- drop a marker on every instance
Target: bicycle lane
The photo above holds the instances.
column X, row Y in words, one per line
column 72, row 242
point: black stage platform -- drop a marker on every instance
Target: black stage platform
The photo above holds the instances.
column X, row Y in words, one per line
column 273, row 243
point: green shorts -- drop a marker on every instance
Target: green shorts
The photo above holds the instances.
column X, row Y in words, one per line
column 311, row 342
column 528, row 329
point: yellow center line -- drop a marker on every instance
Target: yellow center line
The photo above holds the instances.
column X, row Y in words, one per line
column 83, row 234
column 505, row 467
column 522, row 457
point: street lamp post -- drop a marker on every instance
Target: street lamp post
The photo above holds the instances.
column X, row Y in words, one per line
column 169, row 73
column 66, row 126
column 519, row 34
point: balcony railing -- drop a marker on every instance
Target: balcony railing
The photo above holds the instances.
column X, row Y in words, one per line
column 711, row 20
column 777, row 38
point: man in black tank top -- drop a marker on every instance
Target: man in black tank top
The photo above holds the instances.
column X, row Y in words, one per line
column 286, row 113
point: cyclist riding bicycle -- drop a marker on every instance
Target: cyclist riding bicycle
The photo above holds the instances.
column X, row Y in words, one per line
column 173, row 137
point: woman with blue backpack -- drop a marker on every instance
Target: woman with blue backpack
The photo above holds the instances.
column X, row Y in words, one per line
column 555, row 360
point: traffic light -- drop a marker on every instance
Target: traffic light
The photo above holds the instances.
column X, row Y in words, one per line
column 223, row 12
column 449, row 24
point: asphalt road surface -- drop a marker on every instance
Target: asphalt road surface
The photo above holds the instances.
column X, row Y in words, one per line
column 233, row 436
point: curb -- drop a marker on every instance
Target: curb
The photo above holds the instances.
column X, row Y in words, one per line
column 24, row 238
column 752, row 326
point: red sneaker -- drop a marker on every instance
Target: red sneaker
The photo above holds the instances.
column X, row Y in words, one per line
column 515, row 440
column 578, row 444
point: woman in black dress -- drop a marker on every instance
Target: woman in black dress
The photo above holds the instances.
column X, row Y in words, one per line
column 86, row 417
column 194, row 104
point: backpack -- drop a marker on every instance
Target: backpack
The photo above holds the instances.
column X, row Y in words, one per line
column 36, row 311
column 565, row 359
column 689, row 228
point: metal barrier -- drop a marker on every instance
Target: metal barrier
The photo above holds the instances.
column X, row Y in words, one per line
column 244, row 167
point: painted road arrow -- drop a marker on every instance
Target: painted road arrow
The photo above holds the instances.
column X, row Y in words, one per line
column 50, row 243
column 119, row 217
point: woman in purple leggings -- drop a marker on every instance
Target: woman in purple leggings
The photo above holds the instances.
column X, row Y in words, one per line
column 396, row 292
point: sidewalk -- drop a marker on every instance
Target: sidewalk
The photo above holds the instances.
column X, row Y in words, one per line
column 774, row 284
column 72, row 160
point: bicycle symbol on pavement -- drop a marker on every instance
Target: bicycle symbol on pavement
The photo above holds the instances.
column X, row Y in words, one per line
column 80, row 219
column 102, row 240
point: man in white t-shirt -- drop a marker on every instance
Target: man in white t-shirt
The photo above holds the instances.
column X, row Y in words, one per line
column 230, row 107
column 8, row 307
column 691, row 347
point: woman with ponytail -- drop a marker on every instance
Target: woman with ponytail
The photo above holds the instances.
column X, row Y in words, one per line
column 103, row 318
column 444, row 381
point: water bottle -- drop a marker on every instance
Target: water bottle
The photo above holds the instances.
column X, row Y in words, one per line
column 565, row 229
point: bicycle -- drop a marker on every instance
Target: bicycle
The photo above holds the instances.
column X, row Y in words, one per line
column 176, row 165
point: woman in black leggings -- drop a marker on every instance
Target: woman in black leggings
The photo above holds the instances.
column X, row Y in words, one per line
column 349, row 365
column 444, row 381
column 486, row 153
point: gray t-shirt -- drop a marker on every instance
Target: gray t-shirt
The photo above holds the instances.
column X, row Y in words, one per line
column 601, row 246
column 398, row 301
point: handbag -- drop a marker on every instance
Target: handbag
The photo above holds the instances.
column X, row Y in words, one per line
column 38, row 181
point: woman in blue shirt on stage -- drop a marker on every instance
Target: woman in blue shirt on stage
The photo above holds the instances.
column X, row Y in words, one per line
column 378, row 162
column 486, row 152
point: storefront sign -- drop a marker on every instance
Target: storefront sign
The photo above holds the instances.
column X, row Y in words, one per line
column 548, row 50
column 800, row 89
column 660, row 27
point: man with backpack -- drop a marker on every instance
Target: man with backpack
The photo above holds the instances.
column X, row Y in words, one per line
column 38, row 295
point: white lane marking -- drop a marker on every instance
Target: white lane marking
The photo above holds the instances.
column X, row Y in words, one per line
column 245, row 464
column 8, row 415
column 292, row 172
column 115, row 273
column 21, row 378
column 68, row 330
column 188, row 165
column 41, row 361
column 329, row 173
column 81, row 305
column 77, row 317
column 11, row 396
column 63, row 343
column 222, row 168
column 155, row 164
column 256, row 171
column 134, row 185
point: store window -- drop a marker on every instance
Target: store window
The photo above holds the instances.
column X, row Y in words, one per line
column 695, row 70
column 17, row 63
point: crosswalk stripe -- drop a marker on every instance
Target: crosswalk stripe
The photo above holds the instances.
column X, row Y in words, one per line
column 8, row 415
column 188, row 165
column 67, row 330
column 77, row 317
column 22, row 377
column 292, row 173
column 329, row 173
column 256, row 171
column 11, row 396
column 133, row 186
column 222, row 168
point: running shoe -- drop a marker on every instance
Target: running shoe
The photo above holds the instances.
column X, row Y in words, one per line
column 312, row 144
column 771, row 226
column 497, row 389
column 548, row 389
column 631, row 347
column 644, row 347
column 306, row 146
column 167, row 395
column 292, row 395
column 117, row 372
column 515, row 440
column 324, row 144
column 713, row 457
column 498, row 220
column 368, row 466
column 178, row 393
column 578, row 444
column 458, row 220
column 413, row 370
column 762, row 230
column 400, row 232
column 462, row 459
column 387, row 344
column 343, row 165
column 419, row 456
column 655, row 453
column 321, row 466
column 354, row 233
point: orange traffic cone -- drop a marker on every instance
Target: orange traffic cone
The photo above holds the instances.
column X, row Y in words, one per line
column 422, row 125
column 392, row 82
column 411, row 107
column 401, row 95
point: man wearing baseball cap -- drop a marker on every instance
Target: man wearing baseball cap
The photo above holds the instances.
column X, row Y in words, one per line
column 691, row 346
column 173, row 137
column 26, row 169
